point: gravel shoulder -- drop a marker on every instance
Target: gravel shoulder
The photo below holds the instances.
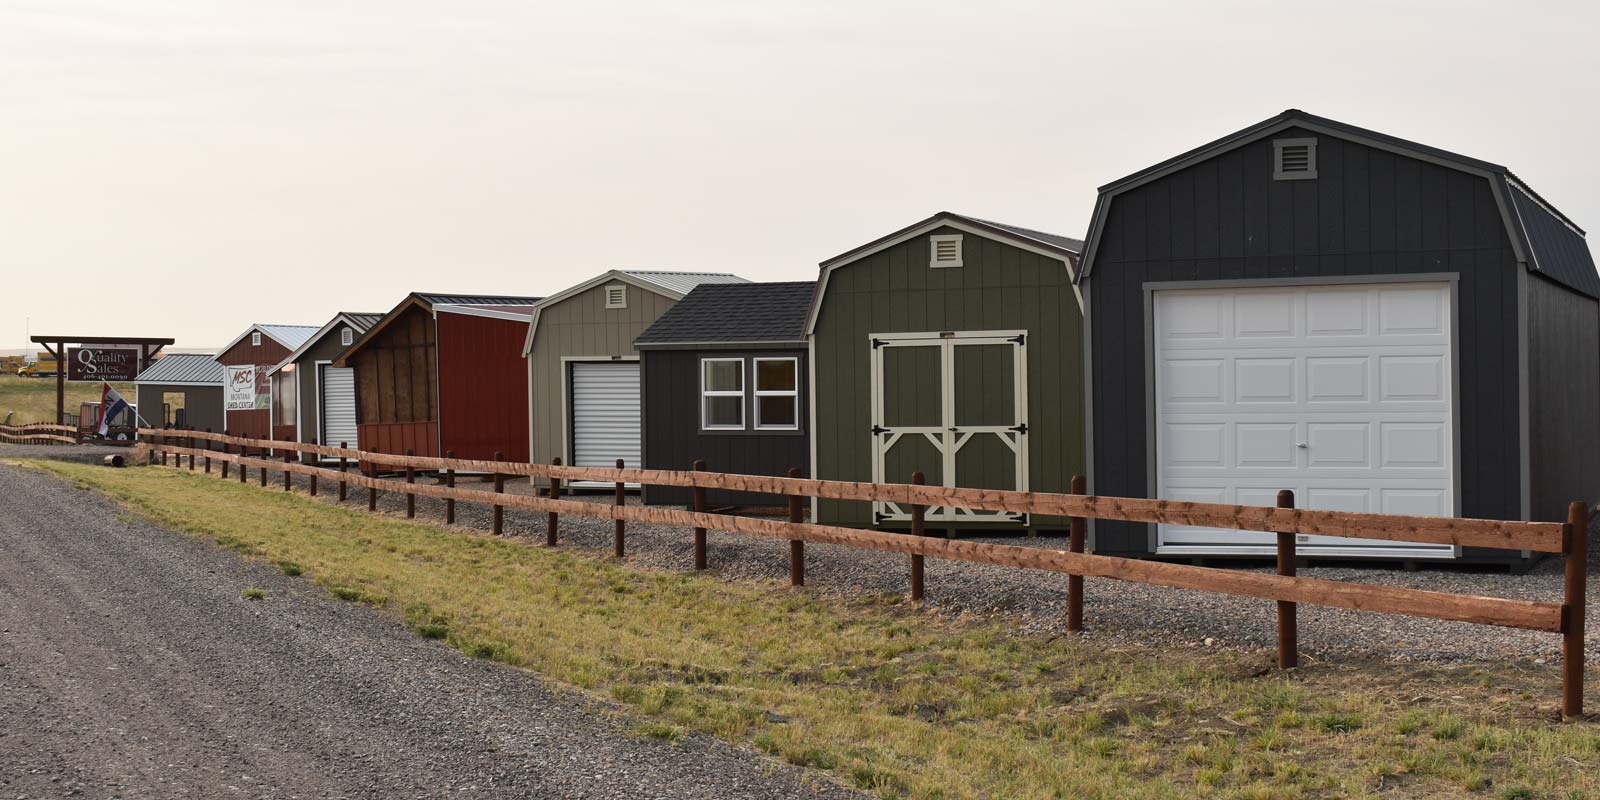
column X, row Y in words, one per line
column 1116, row 612
column 132, row 667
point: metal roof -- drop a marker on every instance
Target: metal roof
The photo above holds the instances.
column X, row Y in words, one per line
column 432, row 298
column 680, row 283
column 359, row 322
column 1058, row 246
column 713, row 314
column 1560, row 250
column 290, row 336
column 1063, row 242
column 184, row 368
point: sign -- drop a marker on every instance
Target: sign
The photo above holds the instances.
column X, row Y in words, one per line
column 247, row 389
column 102, row 363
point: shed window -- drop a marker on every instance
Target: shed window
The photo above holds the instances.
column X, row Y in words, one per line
column 1294, row 159
column 284, row 396
column 944, row 250
column 722, row 394
column 777, row 394
column 616, row 296
column 346, row 336
column 255, row 338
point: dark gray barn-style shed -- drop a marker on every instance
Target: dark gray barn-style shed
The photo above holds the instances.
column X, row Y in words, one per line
column 1376, row 324
column 953, row 347
column 723, row 373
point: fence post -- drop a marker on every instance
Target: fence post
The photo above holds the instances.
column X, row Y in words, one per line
column 288, row 455
column 411, row 499
column 551, row 519
column 316, row 461
column 189, row 440
column 619, row 548
column 266, row 456
column 343, row 464
column 699, row 508
column 1572, row 618
column 917, row 529
column 1076, row 530
column 225, row 463
column 499, row 487
column 797, row 547
column 1288, row 630
column 163, row 444
column 450, row 481
column 244, row 452
column 208, row 453
column 372, row 490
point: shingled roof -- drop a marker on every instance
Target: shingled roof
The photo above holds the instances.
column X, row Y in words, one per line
column 734, row 313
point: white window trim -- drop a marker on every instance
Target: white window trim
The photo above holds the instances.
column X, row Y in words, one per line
column 346, row 336
column 618, row 287
column 706, row 394
column 792, row 394
column 933, row 251
column 255, row 338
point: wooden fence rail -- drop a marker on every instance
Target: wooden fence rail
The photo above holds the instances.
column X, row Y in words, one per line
column 37, row 432
column 1569, row 539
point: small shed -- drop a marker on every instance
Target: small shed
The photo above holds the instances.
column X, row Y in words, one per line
column 724, row 381
column 1376, row 324
column 181, row 390
column 442, row 373
column 952, row 347
column 324, row 396
column 584, row 370
column 247, row 402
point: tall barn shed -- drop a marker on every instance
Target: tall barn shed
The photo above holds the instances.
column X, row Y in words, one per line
column 1376, row 324
column 724, row 382
column 247, row 400
column 584, row 370
column 181, row 389
column 323, row 395
column 443, row 373
column 952, row 347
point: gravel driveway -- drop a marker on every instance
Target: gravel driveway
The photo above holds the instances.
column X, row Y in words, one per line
column 131, row 667
column 1114, row 611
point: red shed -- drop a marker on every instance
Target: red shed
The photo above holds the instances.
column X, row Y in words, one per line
column 442, row 373
column 247, row 408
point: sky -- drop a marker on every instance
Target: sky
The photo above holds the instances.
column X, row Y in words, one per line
column 185, row 169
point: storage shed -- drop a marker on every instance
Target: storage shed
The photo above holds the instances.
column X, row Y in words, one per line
column 444, row 372
column 181, row 390
column 584, row 370
column 1376, row 324
column 723, row 374
column 323, row 395
column 953, row 347
column 247, row 407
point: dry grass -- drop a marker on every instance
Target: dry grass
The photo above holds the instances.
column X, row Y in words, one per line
column 34, row 399
column 900, row 702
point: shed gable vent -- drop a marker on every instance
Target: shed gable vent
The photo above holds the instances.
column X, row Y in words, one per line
column 1294, row 159
column 255, row 338
column 616, row 296
column 944, row 250
column 346, row 336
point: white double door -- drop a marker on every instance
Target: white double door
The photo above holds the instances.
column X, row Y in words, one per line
column 1341, row 393
column 953, row 406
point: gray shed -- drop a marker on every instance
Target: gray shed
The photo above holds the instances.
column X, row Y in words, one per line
column 182, row 390
column 324, row 395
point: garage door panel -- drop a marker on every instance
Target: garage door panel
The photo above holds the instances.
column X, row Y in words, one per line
column 1342, row 394
column 604, row 399
column 337, row 405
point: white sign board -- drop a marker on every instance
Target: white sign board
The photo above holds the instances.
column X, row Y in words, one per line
column 239, row 394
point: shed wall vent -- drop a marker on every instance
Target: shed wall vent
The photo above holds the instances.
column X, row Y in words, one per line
column 944, row 250
column 346, row 336
column 1294, row 159
column 616, row 296
column 255, row 338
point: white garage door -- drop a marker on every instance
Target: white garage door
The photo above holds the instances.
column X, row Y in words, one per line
column 605, row 414
column 1340, row 393
column 337, row 405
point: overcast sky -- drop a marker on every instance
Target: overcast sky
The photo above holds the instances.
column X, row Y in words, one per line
column 183, row 169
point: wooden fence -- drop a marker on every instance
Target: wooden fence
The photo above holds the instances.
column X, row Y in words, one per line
column 39, row 433
column 1568, row 539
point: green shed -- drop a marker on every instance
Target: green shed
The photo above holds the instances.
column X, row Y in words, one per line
column 953, row 347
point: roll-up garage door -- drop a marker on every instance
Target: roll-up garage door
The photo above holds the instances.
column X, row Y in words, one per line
column 1341, row 393
column 337, row 405
column 605, row 414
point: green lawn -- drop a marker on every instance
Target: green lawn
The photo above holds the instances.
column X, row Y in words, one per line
column 34, row 399
column 901, row 702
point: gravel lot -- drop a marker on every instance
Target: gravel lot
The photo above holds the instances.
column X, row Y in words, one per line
column 1115, row 611
column 131, row 667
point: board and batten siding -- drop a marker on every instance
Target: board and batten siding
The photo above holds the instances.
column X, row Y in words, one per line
column 483, row 389
column 1563, row 398
column 1370, row 212
column 325, row 349
column 1000, row 287
column 579, row 327
column 256, row 423
column 673, row 438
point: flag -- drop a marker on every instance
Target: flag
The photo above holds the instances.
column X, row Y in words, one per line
column 111, row 404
